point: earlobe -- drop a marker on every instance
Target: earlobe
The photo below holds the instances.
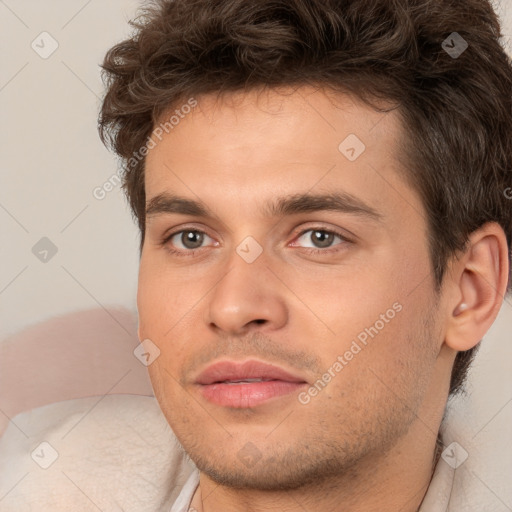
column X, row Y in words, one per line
column 479, row 280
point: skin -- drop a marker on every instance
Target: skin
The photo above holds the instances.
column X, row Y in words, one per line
column 367, row 439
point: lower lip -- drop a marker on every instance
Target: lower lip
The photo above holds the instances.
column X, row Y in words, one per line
column 249, row 394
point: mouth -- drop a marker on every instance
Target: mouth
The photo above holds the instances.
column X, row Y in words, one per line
column 244, row 385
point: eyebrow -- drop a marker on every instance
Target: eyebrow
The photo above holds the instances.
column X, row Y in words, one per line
column 166, row 203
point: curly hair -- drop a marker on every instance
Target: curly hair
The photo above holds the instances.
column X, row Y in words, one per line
column 455, row 106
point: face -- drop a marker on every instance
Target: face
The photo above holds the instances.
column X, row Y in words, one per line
column 280, row 231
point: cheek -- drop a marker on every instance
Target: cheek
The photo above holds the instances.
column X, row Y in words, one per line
column 163, row 298
column 168, row 314
column 369, row 318
column 346, row 302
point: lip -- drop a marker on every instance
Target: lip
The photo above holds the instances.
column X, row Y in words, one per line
column 231, row 370
column 218, row 383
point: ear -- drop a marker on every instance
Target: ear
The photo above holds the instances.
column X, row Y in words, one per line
column 478, row 284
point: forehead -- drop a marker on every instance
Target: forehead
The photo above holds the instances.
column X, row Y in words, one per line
column 252, row 145
column 283, row 117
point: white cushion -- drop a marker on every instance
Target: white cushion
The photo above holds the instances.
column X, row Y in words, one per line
column 115, row 453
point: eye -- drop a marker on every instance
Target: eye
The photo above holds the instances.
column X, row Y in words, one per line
column 319, row 239
column 188, row 240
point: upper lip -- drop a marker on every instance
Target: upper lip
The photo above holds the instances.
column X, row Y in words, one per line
column 231, row 371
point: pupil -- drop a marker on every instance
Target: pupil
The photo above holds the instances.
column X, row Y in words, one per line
column 322, row 239
column 192, row 239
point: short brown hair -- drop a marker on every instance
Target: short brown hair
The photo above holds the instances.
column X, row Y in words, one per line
column 456, row 108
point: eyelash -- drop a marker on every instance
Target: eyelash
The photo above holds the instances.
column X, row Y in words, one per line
column 177, row 252
column 309, row 250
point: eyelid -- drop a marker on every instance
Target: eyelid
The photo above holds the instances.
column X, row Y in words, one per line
column 165, row 242
column 168, row 234
column 316, row 227
column 337, row 249
column 181, row 231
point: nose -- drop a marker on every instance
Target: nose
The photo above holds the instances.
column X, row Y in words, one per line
column 247, row 297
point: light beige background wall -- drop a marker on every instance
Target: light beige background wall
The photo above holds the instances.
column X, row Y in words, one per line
column 52, row 160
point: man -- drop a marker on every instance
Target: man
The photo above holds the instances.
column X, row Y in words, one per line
column 325, row 236
column 321, row 192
